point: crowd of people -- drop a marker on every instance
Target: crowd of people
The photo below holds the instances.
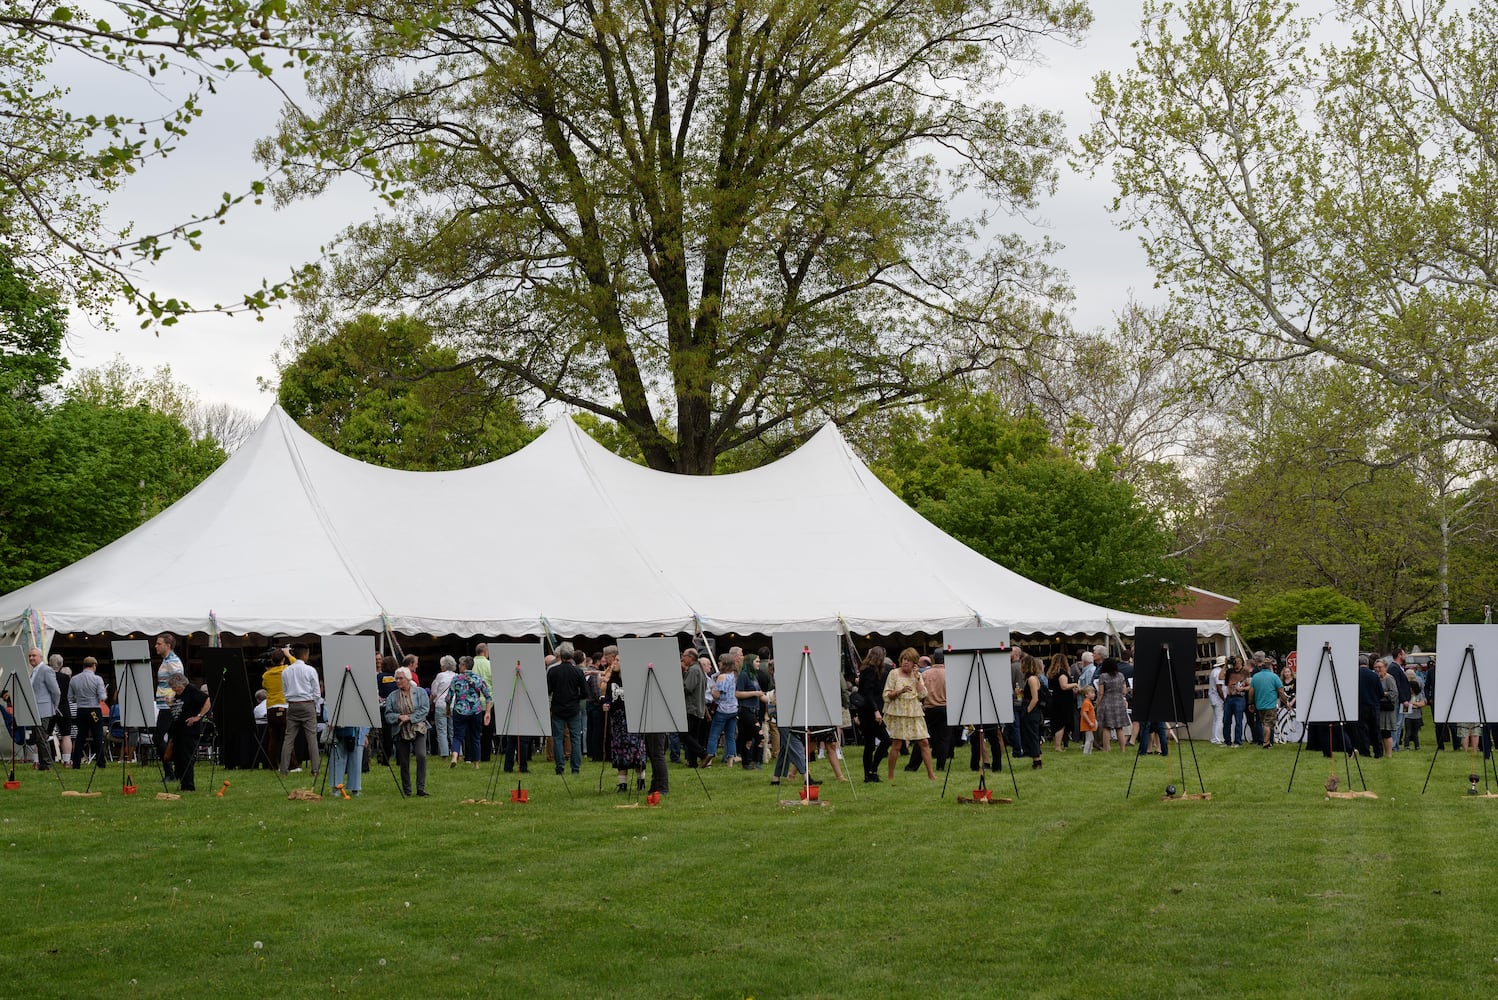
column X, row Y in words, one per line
column 890, row 706
column 76, row 712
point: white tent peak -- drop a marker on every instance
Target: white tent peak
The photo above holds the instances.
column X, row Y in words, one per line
column 291, row 537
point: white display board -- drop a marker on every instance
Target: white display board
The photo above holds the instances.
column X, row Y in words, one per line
column 351, row 686
column 987, row 637
column 1461, row 674
column 521, row 704
column 15, row 677
column 807, row 693
column 1320, row 650
column 135, row 681
column 654, row 701
column 978, row 688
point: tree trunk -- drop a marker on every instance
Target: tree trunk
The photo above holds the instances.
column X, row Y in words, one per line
column 694, row 445
column 1443, row 569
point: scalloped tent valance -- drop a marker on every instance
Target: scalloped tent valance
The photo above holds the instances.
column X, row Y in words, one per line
column 289, row 536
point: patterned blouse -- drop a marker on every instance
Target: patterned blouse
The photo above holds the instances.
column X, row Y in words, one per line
column 469, row 694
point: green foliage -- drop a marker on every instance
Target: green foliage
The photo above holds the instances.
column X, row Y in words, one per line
column 32, row 325
column 79, row 475
column 586, row 899
column 994, row 482
column 120, row 385
column 706, row 223
column 1474, row 559
column 381, row 391
column 1310, row 498
column 1271, row 622
column 1076, row 530
column 1338, row 200
column 59, row 161
column 917, row 457
column 610, row 435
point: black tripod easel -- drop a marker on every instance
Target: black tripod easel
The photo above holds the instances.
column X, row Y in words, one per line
column 335, row 720
column 652, row 678
column 19, row 689
column 131, row 696
column 980, row 670
column 806, row 672
column 1324, row 661
column 1166, row 674
column 1469, row 656
column 517, row 686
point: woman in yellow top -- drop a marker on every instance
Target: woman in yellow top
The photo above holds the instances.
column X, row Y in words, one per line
column 275, row 706
column 904, row 715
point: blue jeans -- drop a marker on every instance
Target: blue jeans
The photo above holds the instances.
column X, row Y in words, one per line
column 347, row 765
column 792, row 753
column 443, row 723
column 1234, row 712
column 559, row 747
column 1144, row 737
column 727, row 724
column 468, row 730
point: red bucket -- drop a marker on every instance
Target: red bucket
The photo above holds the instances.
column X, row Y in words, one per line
column 810, row 793
column 654, row 798
column 520, row 795
column 11, row 786
column 128, row 789
column 982, row 795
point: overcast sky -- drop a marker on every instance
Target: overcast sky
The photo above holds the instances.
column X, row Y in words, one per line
column 220, row 358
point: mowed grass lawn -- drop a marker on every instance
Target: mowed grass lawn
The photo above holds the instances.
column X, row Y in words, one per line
column 887, row 891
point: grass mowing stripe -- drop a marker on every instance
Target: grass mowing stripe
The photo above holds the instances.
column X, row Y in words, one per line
column 1072, row 891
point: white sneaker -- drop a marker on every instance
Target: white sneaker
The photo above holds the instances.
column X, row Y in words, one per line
column 295, row 770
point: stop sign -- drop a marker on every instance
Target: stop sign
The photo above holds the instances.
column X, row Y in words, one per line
column 1290, row 660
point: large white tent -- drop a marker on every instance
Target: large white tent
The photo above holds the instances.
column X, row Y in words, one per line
column 290, row 537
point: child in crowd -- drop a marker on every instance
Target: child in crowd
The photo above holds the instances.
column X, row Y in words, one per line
column 1414, row 715
column 1089, row 717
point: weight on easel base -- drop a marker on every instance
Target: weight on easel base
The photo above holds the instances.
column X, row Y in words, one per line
column 803, row 802
column 983, row 797
column 70, row 794
column 1352, row 795
column 1188, row 797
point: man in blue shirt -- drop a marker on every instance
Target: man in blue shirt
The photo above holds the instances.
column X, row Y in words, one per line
column 1268, row 691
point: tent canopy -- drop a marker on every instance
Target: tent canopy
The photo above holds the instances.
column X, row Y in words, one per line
column 290, row 537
